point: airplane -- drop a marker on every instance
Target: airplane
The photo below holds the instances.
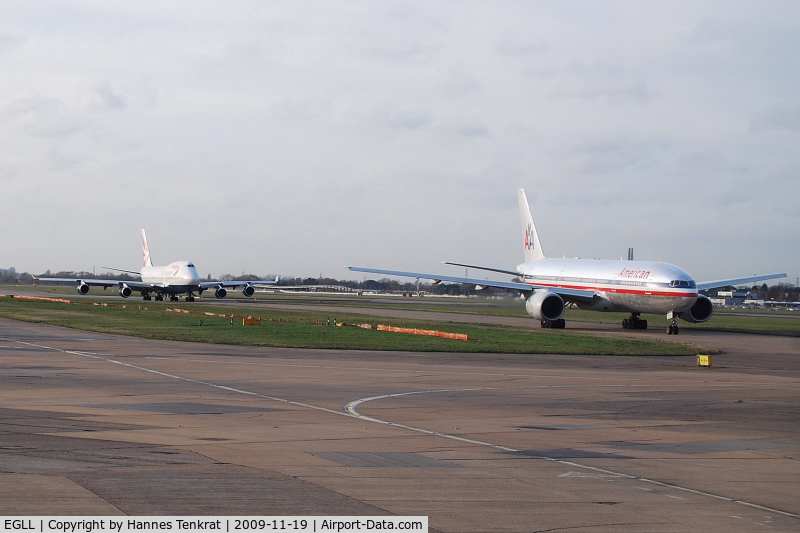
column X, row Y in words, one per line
column 170, row 280
column 635, row 287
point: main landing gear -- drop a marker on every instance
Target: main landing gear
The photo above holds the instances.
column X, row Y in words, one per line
column 555, row 324
column 634, row 322
column 172, row 298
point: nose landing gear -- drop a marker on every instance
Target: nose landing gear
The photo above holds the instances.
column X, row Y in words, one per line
column 673, row 327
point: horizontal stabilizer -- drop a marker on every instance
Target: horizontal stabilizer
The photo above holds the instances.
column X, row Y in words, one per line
column 490, row 269
column 123, row 270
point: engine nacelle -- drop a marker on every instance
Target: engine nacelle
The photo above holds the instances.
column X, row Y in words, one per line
column 545, row 305
column 220, row 292
column 82, row 288
column 248, row 290
column 125, row 291
column 699, row 312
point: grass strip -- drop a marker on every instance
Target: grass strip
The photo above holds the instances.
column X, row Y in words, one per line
column 299, row 329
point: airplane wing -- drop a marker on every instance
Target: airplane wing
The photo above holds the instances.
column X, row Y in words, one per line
column 455, row 279
column 213, row 284
column 569, row 294
column 105, row 283
column 736, row 281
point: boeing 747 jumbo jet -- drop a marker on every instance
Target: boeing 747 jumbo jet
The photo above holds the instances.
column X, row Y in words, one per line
column 171, row 280
column 633, row 287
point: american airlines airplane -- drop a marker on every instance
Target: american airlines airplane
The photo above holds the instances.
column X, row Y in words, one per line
column 170, row 280
column 633, row 287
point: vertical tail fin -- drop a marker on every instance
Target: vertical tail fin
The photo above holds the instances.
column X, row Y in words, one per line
column 147, row 262
column 532, row 248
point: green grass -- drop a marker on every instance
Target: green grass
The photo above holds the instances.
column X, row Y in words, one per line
column 299, row 329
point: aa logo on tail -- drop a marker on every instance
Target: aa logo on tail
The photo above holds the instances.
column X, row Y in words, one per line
column 529, row 240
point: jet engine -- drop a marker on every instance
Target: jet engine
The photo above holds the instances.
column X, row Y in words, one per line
column 220, row 292
column 248, row 290
column 125, row 291
column 545, row 305
column 699, row 312
column 82, row 288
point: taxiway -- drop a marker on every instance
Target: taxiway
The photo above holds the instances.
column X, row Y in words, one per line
column 102, row 424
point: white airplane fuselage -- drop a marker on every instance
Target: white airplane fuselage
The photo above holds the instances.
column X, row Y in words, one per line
column 629, row 286
column 175, row 278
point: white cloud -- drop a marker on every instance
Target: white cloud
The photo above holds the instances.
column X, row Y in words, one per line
column 296, row 137
column 40, row 116
column 776, row 119
column 104, row 98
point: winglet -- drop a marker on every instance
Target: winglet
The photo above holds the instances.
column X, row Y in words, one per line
column 146, row 262
column 532, row 248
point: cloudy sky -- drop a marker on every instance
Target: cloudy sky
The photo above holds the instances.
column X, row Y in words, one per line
column 296, row 137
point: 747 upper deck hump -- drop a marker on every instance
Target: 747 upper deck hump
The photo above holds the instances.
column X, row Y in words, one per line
column 630, row 286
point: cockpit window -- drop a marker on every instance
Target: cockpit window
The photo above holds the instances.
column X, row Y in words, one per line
column 682, row 283
column 190, row 265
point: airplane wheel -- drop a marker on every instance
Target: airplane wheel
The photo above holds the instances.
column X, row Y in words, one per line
column 634, row 323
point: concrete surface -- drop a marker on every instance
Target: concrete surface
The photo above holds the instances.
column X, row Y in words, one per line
column 100, row 424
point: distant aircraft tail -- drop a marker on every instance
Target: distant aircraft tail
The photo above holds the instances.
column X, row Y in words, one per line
column 147, row 262
column 532, row 248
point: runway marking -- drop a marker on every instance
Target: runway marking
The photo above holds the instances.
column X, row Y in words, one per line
column 351, row 411
column 351, row 408
column 189, row 380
